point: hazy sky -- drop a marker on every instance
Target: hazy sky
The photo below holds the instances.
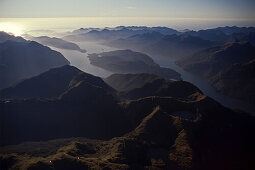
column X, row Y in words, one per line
column 241, row 9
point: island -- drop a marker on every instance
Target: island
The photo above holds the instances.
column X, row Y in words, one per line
column 127, row 61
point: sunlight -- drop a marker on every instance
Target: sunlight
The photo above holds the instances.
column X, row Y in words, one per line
column 15, row 29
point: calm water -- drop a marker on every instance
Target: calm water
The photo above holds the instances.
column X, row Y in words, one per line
column 204, row 86
column 59, row 26
column 81, row 61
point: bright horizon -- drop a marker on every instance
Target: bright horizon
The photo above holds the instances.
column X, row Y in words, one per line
column 19, row 26
column 20, row 16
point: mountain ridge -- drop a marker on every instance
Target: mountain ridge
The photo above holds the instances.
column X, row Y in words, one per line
column 19, row 60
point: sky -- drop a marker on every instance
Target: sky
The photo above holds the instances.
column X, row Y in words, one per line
column 20, row 16
column 217, row 9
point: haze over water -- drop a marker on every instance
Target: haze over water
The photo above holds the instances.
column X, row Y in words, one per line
column 51, row 26
column 59, row 26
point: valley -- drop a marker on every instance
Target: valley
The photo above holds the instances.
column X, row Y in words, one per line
column 121, row 109
column 82, row 62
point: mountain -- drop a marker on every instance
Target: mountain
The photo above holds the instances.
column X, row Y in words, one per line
column 100, row 35
column 109, row 34
column 64, row 118
column 19, row 60
column 250, row 37
column 172, row 136
column 5, row 37
column 237, row 81
column 126, row 82
column 162, row 30
column 174, row 46
column 127, row 61
column 57, row 42
column 67, row 107
column 152, row 132
column 210, row 34
column 50, row 84
column 134, row 86
column 84, row 30
column 229, row 68
column 234, row 29
column 137, row 42
column 221, row 34
column 210, row 61
column 165, row 133
column 178, row 46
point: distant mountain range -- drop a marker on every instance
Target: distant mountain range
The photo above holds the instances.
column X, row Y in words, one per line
column 162, row 131
column 210, row 34
column 196, row 50
column 107, row 34
column 174, row 46
column 234, row 29
column 127, row 61
column 149, row 39
column 223, row 34
column 19, row 60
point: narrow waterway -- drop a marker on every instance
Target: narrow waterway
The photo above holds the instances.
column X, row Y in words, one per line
column 204, row 86
column 81, row 61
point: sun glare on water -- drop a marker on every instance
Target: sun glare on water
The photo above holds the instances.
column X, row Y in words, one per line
column 12, row 28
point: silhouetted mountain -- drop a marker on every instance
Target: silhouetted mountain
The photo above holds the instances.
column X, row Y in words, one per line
column 48, row 84
column 250, row 37
column 51, row 83
column 237, row 81
column 57, row 42
column 167, row 135
column 5, row 37
column 210, row 61
column 19, row 60
column 134, row 86
column 127, row 61
column 160, row 137
column 126, row 82
column 72, row 112
column 229, row 68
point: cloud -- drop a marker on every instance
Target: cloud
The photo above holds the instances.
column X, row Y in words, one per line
column 131, row 7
